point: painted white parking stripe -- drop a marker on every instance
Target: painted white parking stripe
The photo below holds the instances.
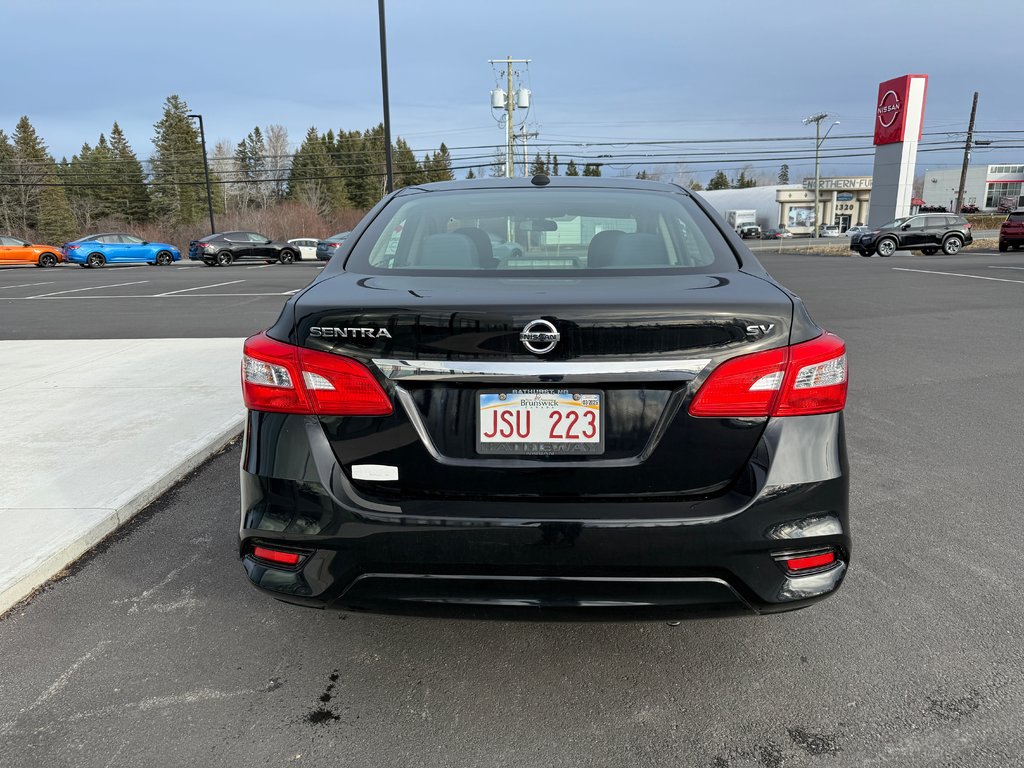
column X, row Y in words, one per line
column 958, row 274
column 260, row 266
column 991, row 267
column 26, row 285
column 200, row 287
column 147, row 296
column 92, row 288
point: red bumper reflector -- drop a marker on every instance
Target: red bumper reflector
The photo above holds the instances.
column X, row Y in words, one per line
column 808, row 562
column 276, row 556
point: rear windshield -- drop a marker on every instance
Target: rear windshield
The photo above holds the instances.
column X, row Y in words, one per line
column 1018, row 217
column 542, row 231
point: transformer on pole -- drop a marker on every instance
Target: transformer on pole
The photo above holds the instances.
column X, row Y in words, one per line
column 509, row 100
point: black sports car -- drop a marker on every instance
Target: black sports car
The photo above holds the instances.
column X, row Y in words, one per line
column 222, row 249
column 624, row 417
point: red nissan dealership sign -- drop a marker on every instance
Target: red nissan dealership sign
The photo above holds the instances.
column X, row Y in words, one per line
column 891, row 109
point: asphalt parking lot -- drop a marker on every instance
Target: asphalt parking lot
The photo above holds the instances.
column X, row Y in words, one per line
column 184, row 300
column 154, row 651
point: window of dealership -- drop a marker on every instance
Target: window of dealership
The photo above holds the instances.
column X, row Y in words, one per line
column 844, row 202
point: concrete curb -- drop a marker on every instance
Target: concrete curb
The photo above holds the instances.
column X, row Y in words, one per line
column 28, row 583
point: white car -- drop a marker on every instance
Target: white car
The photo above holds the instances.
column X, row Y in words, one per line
column 857, row 230
column 831, row 230
column 306, row 246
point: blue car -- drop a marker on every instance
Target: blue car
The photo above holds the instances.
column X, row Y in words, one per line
column 118, row 248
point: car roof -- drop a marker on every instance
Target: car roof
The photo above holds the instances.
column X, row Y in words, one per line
column 105, row 234
column 596, row 182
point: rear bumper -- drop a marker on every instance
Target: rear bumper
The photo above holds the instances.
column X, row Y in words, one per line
column 605, row 561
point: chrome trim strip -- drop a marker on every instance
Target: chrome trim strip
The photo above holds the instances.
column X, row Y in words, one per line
column 449, row 370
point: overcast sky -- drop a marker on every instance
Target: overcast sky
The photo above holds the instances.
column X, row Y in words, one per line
column 654, row 70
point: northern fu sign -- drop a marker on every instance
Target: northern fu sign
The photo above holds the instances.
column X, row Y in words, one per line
column 899, row 120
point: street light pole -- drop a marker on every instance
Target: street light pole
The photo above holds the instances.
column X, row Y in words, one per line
column 390, row 176
column 818, row 139
column 206, row 172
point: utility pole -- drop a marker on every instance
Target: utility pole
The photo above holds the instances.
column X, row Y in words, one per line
column 967, row 156
column 526, row 154
column 818, row 139
column 510, row 105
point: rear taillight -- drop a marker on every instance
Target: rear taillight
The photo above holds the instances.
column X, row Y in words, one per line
column 333, row 245
column 72, row 247
column 276, row 556
column 202, row 245
column 284, row 378
column 800, row 380
column 797, row 563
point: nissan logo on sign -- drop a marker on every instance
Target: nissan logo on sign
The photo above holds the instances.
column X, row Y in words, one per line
column 888, row 108
column 900, row 108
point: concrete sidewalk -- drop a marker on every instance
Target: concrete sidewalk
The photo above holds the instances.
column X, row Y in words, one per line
column 92, row 431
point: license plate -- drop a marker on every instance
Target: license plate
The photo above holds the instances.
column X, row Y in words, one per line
column 532, row 422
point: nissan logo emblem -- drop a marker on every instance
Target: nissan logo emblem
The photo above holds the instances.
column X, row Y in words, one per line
column 539, row 336
column 888, row 108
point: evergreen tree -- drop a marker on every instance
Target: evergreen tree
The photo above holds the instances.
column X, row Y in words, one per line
column 408, row 172
column 642, row 175
column 6, row 181
column 56, row 223
column 179, row 192
column 254, row 190
column 470, row 174
column 592, row 169
column 314, row 176
column 571, row 169
column 133, row 200
column 538, row 166
column 439, row 167
column 38, row 201
column 784, row 174
column 30, row 165
column 719, row 181
column 554, row 165
column 695, row 185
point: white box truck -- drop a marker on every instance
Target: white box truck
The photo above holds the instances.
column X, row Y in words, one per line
column 744, row 223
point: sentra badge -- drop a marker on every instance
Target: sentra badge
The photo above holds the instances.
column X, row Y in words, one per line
column 349, row 333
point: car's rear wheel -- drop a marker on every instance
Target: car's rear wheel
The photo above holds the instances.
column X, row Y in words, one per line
column 286, row 257
column 952, row 245
column 164, row 258
column 1004, row 247
column 95, row 260
column 224, row 259
column 47, row 260
column 929, row 251
column 886, row 247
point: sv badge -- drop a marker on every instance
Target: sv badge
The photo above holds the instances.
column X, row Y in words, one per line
column 760, row 330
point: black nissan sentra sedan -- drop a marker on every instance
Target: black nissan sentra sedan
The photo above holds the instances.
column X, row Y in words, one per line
column 622, row 417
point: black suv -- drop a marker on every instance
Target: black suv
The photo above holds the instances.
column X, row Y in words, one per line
column 926, row 232
column 220, row 250
column 1011, row 233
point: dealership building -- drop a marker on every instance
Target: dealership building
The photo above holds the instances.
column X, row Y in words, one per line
column 843, row 200
column 986, row 186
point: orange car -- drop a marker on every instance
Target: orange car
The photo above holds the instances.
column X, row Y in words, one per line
column 14, row 250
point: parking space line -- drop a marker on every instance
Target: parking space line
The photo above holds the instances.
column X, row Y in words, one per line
column 1001, row 267
column 26, row 285
column 199, row 288
column 958, row 274
column 153, row 296
column 91, row 288
column 260, row 266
